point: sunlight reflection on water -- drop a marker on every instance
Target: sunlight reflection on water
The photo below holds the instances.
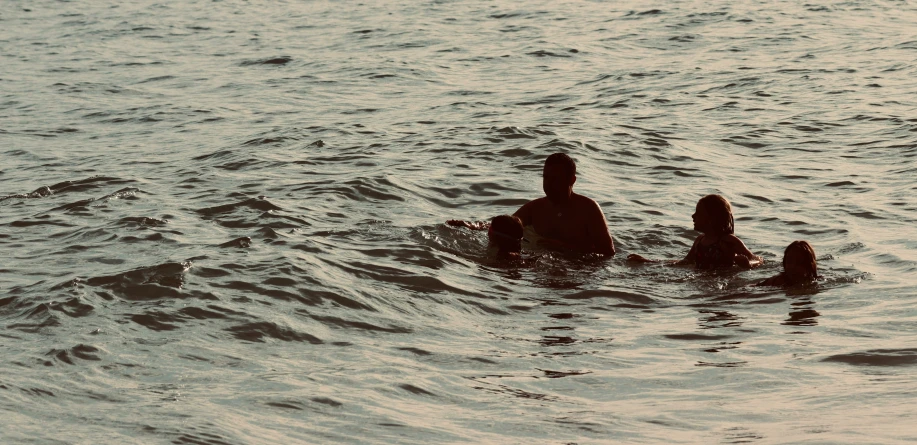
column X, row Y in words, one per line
column 223, row 222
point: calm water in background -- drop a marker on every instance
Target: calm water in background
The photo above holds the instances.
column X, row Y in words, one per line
column 221, row 221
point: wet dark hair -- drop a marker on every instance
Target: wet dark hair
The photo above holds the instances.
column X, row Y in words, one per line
column 506, row 233
column 561, row 160
column 719, row 212
column 803, row 247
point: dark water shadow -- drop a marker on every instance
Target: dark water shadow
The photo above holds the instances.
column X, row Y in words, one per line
column 877, row 357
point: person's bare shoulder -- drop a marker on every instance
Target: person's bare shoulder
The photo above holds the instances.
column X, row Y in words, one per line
column 734, row 242
column 776, row 280
column 530, row 208
column 745, row 258
column 587, row 206
column 538, row 202
column 593, row 219
column 738, row 246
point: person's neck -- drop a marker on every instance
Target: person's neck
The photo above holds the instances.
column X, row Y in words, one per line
column 796, row 279
column 563, row 204
column 712, row 237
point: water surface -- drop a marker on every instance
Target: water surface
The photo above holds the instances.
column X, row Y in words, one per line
column 221, row 222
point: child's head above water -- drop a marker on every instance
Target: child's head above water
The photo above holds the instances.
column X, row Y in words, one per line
column 799, row 262
column 506, row 233
column 713, row 216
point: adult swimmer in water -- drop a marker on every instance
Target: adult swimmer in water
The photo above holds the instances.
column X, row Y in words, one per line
column 564, row 220
column 717, row 246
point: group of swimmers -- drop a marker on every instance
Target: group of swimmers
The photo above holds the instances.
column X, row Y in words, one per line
column 567, row 221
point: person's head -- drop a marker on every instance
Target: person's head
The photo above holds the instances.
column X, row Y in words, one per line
column 506, row 233
column 558, row 177
column 799, row 262
column 713, row 215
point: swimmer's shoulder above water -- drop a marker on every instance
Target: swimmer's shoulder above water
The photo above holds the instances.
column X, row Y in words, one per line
column 565, row 220
column 717, row 246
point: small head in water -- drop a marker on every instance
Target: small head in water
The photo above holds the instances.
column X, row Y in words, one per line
column 799, row 263
column 713, row 216
column 506, row 233
column 558, row 177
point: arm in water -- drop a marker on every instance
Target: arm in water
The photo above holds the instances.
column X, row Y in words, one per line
column 473, row 225
column 688, row 259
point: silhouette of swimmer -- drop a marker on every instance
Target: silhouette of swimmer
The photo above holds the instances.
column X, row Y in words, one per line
column 717, row 246
column 504, row 232
column 565, row 220
column 799, row 266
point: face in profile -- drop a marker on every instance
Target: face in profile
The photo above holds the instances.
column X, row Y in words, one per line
column 557, row 183
column 700, row 218
column 713, row 215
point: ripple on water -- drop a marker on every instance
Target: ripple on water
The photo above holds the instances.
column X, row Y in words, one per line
column 627, row 299
column 283, row 60
column 877, row 357
column 258, row 332
column 78, row 352
column 368, row 126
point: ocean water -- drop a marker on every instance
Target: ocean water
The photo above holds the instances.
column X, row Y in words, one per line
column 221, row 222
